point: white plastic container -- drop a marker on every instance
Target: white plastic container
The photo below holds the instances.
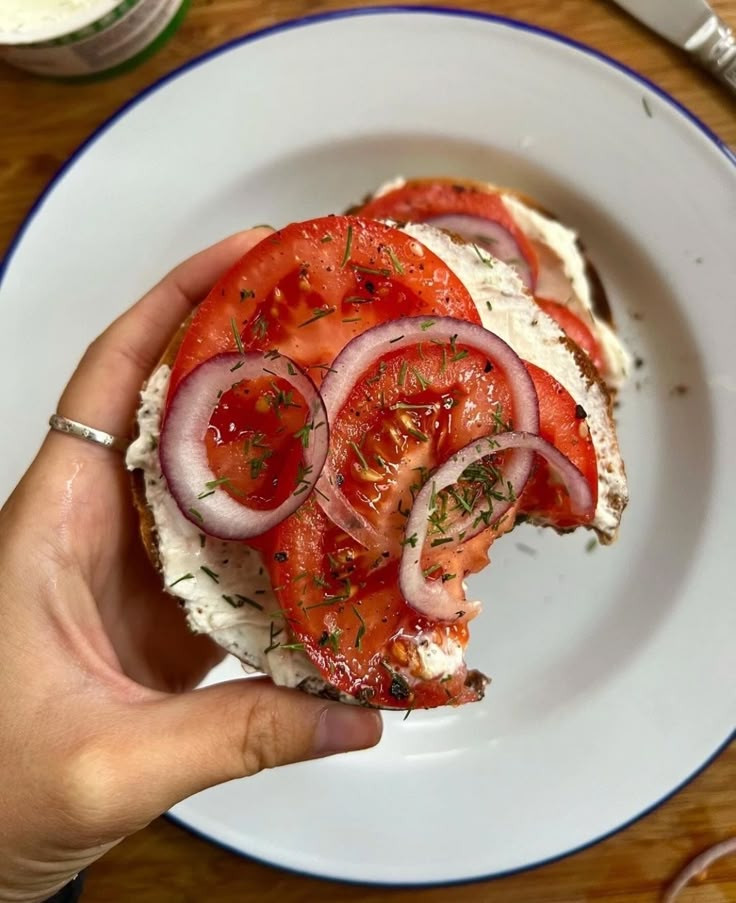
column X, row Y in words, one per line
column 84, row 38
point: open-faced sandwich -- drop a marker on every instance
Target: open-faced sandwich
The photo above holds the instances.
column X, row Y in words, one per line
column 345, row 425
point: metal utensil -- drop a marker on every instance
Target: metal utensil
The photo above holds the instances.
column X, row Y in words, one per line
column 693, row 26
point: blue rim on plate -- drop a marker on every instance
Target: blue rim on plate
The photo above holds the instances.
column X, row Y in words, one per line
column 473, row 879
column 506, row 22
column 346, row 14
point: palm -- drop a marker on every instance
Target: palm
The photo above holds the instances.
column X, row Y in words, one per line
column 147, row 631
column 145, row 626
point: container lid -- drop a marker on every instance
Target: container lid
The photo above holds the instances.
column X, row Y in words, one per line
column 33, row 21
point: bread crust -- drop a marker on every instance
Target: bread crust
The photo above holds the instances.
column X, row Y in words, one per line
column 146, row 523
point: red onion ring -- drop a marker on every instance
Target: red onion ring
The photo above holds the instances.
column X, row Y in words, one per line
column 430, row 598
column 367, row 348
column 489, row 235
column 698, row 865
column 183, row 453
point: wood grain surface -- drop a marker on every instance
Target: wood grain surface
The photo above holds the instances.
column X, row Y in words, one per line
column 41, row 123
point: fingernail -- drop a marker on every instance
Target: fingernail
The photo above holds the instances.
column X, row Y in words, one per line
column 342, row 728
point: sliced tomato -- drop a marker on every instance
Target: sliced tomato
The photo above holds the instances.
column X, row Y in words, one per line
column 575, row 328
column 563, row 423
column 406, row 414
column 306, row 291
column 310, row 288
column 255, row 442
column 422, row 199
column 353, row 621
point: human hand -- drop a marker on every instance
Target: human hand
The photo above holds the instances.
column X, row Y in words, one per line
column 100, row 730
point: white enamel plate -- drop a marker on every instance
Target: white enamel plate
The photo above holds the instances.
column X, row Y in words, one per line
column 614, row 674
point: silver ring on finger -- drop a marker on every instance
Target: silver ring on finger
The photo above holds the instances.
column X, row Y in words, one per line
column 88, row 433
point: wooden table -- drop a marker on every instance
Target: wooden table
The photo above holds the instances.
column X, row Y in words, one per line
column 40, row 124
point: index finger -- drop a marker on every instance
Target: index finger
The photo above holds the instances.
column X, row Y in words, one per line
column 103, row 392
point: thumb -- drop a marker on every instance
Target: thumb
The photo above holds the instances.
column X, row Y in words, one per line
column 183, row 744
